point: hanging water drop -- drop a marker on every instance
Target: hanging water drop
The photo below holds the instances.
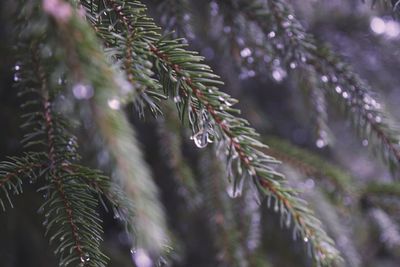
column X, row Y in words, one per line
column 320, row 143
column 278, row 74
column 32, row 179
column 46, row 194
column 117, row 216
column 200, row 139
column 286, row 24
column 288, row 220
column 246, row 52
column 141, row 258
column 82, row 91
column 292, row 65
column 252, row 171
column 365, row 142
column 41, row 210
column 338, row 89
column 276, row 207
column 235, row 192
column 227, row 29
column 17, row 77
column 324, row 78
column 17, row 67
column 271, row 35
column 305, row 239
column 85, row 258
column 177, row 99
column 114, row 103
column 345, row 95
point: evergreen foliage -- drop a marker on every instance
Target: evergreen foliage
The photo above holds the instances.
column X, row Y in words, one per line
column 108, row 59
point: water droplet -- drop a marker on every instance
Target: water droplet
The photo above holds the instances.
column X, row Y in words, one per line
column 246, row 52
column 232, row 193
column 41, row 210
column 280, row 46
column 276, row 207
column 324, row 78
column 286, row 24
column 17, row 77
column 305, row 239
column 288, row 220
column 141, row 258
column 227, row 29
column 345, row 95
column 177, row 99
column 320, row 143
column 378, row 119
column 392, row 29
column 17, row 67
column 309, row 184
column 252, row 171
column 82, row 91
column 230, row 102
column 278, row 74
column 271, row 35
column 114, row 103
column 236, row 191
column 338, row 89
column 85, row 258
column 32, row 179
column 200, row 139
column 292, row 65
column 378, row 25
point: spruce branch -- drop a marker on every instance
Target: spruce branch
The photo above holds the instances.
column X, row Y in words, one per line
column 67, row 201
column 194, row 88
column 101, row 185
column 294, row 45
column 200, row 98
column 110, row 93
column 125, row 42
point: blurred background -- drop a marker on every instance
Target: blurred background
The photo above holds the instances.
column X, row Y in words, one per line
column 207, row 226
